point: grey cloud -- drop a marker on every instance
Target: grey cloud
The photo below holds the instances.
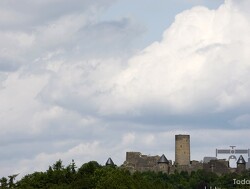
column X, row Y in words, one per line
column 40, row 12
column 109, row 38
column 8, row 65
column 49, row 99
column 76, row 95
column 242, row 5
column 71, row 35
column 241, row 121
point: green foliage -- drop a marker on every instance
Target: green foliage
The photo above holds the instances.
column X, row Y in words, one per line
column 91, row 175
column 4, row 183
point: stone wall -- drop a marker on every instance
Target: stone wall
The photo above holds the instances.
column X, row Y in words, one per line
column 217, row 166
column 193, row 166
column 135, row 161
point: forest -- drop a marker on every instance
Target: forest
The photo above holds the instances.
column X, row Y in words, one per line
column 92, row 175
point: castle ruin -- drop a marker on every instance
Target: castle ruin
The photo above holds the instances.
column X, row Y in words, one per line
column 135, row 161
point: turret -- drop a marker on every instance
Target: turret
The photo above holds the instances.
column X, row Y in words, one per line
column 163, row 164
column 110, row 162
column 241, row 164
column 163, row 160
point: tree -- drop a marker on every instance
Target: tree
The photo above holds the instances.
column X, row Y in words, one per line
column 4, row 183
column 73, row 167
column 58, row 165
column 11, row 180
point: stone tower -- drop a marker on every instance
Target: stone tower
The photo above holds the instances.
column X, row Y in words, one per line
column 182, row 149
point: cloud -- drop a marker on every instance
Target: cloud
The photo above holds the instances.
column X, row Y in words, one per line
column 128, row 138
column 201, row 65
column 79, row 85
column 241, row 121
column 72, row 29
column 33, row 13
column 7, row 65
column 54, row 56
column 83, row 151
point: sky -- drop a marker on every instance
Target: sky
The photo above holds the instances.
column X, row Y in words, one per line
column 88, row 80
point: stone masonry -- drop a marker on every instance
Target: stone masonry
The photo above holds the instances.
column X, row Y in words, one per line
column 182, row 149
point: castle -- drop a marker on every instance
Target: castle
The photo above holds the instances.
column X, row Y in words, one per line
column 135, row 161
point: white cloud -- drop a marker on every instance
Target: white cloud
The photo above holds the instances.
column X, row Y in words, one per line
column 18, row 100
column 82, row 152
column 65, row 82
column 128, row 138
column 63, row 31
column 201, row 64
column 14, row 44
column 44, row 73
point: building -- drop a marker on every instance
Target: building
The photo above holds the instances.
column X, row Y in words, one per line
column 208, row 159
column 182, row 150
column 135, row 161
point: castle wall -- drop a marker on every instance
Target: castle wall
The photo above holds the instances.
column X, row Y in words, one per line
column 241, row 168
column 135, row 161
column 217, row 166
column 248, row 164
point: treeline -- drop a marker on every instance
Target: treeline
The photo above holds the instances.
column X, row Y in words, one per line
column 94, row 176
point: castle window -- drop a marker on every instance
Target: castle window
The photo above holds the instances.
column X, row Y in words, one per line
column 181, row 146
